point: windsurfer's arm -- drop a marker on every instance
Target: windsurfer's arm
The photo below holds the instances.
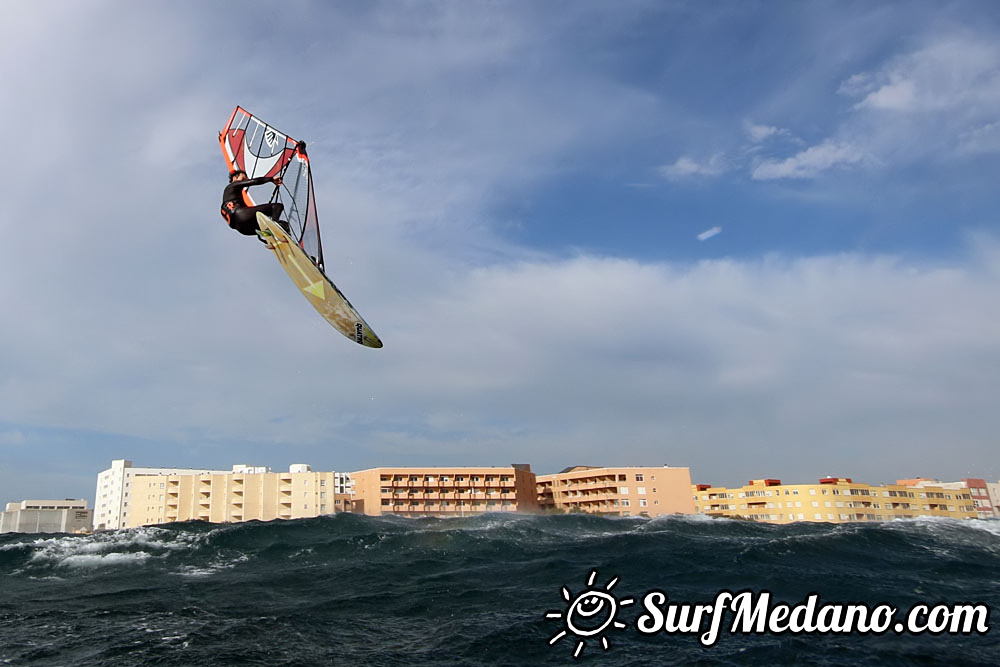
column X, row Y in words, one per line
column 260, row 180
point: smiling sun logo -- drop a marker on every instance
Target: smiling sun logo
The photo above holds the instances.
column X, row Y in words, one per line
column 589, row 614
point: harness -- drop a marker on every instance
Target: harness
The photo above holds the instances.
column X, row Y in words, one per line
column 227, row 209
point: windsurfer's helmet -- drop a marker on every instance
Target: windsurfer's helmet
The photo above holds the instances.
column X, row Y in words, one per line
column 234, row 173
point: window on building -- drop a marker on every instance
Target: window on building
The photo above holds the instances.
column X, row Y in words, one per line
column 638, row 477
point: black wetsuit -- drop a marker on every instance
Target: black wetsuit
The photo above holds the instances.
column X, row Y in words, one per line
column 241, row 217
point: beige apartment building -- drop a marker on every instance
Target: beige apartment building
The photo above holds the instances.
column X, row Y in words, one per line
column 444, row 491
column 832, row 500
column 245, row 494
column 114, row 491
column 627, row 491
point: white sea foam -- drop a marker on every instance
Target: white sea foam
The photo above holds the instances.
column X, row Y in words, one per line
column 124, row 547
column 991, row 526
column 952, row 533
column 95, row 560
column 210, row 569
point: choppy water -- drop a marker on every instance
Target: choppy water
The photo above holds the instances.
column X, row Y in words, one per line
column 355, row 590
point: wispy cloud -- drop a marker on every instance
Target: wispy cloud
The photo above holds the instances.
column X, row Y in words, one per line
column 810, row 162
column 757, row 133
column 926, row 105
column 12, row 438
column 686, row 167
column 951, row 73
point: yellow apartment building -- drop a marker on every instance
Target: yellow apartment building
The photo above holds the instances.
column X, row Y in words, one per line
column 246, row 494
column 444, row 491
column 627, row 491
column 832, row 500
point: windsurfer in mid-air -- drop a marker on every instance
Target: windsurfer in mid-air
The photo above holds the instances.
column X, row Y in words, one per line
column 241, row 217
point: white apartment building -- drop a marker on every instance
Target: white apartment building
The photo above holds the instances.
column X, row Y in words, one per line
column 47, row 516
column 114, row 490
column 129, row 496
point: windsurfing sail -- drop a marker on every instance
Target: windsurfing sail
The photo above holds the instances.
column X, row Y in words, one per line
column 259, row 149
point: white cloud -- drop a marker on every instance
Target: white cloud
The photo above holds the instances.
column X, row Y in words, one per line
column 761, row 133
column 954, row 72
column 896, row 96
column 820, row 359
column 686, row 167
column 928, row 105
column 982, row 139
column 810, row 162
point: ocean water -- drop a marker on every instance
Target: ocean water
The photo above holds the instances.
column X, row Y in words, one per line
column 487, row 590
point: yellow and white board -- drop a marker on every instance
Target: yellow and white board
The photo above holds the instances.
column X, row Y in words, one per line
column 317, row 288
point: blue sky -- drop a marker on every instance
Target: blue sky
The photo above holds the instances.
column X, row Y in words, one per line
column 511, row 194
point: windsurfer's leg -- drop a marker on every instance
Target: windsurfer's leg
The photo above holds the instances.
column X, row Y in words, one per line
column 244, row 221
column 276, row 210
column 271, row 210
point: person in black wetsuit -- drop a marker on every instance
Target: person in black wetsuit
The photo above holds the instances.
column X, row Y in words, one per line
column 241, row 217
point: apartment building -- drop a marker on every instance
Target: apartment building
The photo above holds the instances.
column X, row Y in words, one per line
column 444, row 491
column 625, row 491
column 47, row 516
column 993, row 490
column 832, row 500
column 979, row 491
column 114, row 491
column 244, row 494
